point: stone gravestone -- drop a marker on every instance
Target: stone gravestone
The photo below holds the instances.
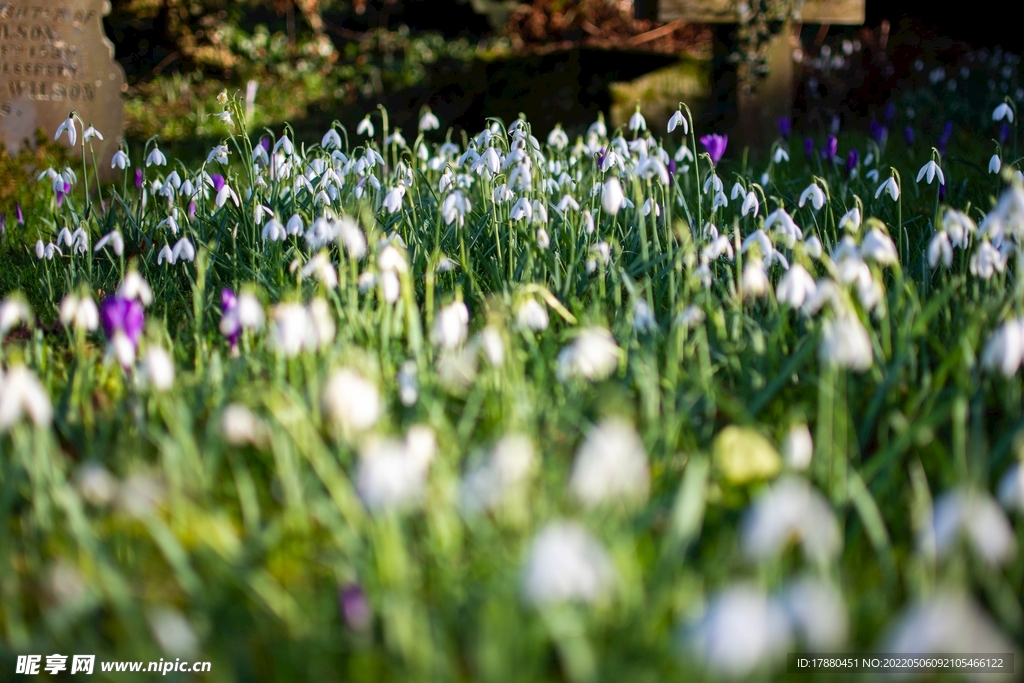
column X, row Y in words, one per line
column 756, row 113
column 54, row 59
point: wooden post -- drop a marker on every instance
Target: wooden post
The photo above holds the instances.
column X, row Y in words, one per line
column 752, row 117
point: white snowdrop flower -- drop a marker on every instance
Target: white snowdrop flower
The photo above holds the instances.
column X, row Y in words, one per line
column 97, row 486
column 678, row 120
column 487, row 485
column 295, row 226
column 1003, row 111
column 395, row 138
column 352, row 402
column 543, row 239
column 690, row 317
column 331, row 140
column 889, row 186
column 643, row 317
column 929, row 172
column 795, row 287
column 814, row 193
column 845, row 343
column 156, row 157
column 781, row 155
column 47, row 251
column 13, row 312
column 612, row 196
column 532, row 315
column 750, row 205
column 567, row 203
column 994, row 164
column 156, row 369
column 611, row 466
column 719, row 202
column 455, row 207
column 812, row 245
column 218, row 154
column 135, row 287
column 22, row 395
column 879, row 247
column 959, row 227
column 64, row 236
column 791, row 509
column 184, row 250
column 428, row 121
column 976, row 517
column 121, row 348
column 390, row 286
column 737, row 191
column 593, row 355
column 588, row 222
column 566, row 564
column 522, row 210
column 719, row 246
column 114, row 239
column 1011, row 488
column 284, row 145
column 650, row 205
column 259, row 211
column 946, row 623
column 1005, row 348
column 241, row 427
column 597, row 128
column 600, row 253
column 986, row 261
column 393, row 199
column 79, row 313
column 503, row 193
column 540, row 213
column 754, row 279
column 273, row 231
column 351, row 237
column 173, row 633
column 637, row 122
column 68, row 126
column 224, row 195
column 798, row 447
column 653, row 167
column 291, row 328
column 851, row 220
column 741, row 630
column 408, row 391
column 493, row 345
column 365, row 127
column 872, row 175
column 451, row 326
column 166, row 255
column 684, row 154
column 557, row 138
column 940, row 250
column 817, row 614
column 322, row 326
column 391, row 477
column 785, row 226
column 120, row 160
column 321, row 266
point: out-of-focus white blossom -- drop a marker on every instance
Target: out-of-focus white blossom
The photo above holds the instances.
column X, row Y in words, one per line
column 566, row 564
column 351, row 402
column 976, row 517
column 611, row 465
column 593, row 355
column 791, row 510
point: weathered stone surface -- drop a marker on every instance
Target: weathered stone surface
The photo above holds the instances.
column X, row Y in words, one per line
column 54, row 59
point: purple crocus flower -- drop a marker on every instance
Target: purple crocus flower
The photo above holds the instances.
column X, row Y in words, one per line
column 600, row 157
column 191, row 209
column 785, row 127
column 265, row 141
column 890, row 112
column 828, row 152
column 947, row 134
column 942, row 192
column 354, row 606
column 908, row 134
column 122, row 321
column 21, row 216
column 672, row 168
column 1004, row 133
column 138, row 178
column 715, row 145
column 851, row 160
column 218, row 181
column 3, row 224
column 878, row 132
column 60, row 198
column 67, row 187
column 808, row 147
column 229, row 325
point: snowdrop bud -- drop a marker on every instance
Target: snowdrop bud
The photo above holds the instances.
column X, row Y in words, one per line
column 940, row 250
column 798, row 447
column 994, row 164
column 754, row 279
column 351, row 402
column 1003, row 111
column 157, row 369
column 612, row 196
column 678, row 120
column 566, row 564
column 543, row 239
column 611, row 465
column 588, row 222
column 1005, row 349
